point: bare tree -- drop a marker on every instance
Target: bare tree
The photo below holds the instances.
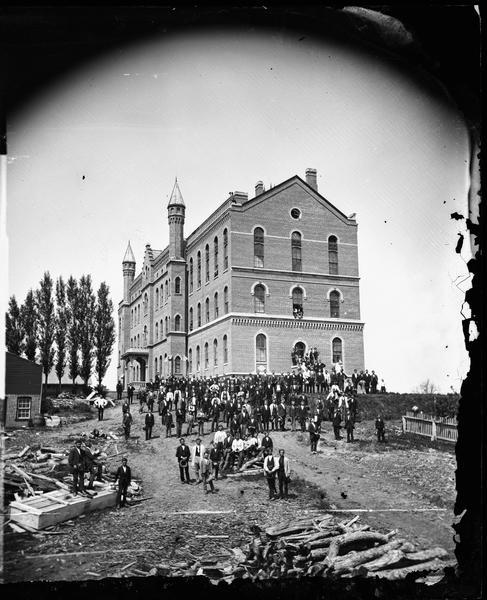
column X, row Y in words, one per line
column 427, row 387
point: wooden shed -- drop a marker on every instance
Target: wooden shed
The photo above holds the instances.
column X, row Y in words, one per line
column 23, row 391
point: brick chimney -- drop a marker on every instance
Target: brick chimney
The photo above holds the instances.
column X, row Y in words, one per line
column 240, row 197
column 311, row 178
column 259, row 188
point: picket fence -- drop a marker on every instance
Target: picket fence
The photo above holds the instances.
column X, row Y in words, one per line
column 436, row 428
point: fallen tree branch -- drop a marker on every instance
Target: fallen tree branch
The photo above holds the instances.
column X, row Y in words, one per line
column 346, row 563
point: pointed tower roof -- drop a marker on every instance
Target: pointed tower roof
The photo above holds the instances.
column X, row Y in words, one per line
column 129, row 255
column 176, row 198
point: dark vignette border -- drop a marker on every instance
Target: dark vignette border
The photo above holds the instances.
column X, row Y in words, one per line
column 39, row 45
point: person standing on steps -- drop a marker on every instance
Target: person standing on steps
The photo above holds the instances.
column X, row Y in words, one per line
column 271, row 466
column 183, row 454
column 149, row 424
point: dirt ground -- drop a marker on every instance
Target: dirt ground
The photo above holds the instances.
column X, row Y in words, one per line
column 405, row 484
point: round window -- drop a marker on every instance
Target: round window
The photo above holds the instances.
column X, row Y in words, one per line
column 295, row 213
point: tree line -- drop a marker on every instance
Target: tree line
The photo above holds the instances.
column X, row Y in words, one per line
column 65, row 326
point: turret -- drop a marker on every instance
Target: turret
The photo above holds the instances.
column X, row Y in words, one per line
column 175, row 212
column 128, row 265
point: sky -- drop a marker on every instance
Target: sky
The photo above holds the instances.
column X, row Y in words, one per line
column 92, row 162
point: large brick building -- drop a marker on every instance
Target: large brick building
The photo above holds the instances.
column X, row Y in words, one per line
column 259, row 278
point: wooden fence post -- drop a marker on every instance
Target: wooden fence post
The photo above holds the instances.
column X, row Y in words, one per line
column 403, row 424
column 433, row 431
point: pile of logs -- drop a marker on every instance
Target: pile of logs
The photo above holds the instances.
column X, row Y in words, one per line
column 328, row 548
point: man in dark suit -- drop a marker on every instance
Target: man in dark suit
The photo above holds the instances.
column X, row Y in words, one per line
column 183, row 454
column 119, row 390
column 149, row 424
column 124, row 477
column 76, row 461
column 92, row 466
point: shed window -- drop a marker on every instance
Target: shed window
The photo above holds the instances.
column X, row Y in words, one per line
column 24, row 408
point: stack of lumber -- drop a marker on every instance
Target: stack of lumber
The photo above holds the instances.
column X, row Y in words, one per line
column 328, row 548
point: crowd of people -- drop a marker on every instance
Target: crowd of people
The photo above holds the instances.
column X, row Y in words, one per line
column 241, row 413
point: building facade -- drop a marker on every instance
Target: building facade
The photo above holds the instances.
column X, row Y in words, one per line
column 23, row 391
column 259, row 279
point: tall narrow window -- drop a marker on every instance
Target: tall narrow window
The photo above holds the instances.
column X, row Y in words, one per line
column 157, row 332
column 333, row 255
column 177, row 365
column 225, row 350
column 259, row 298
column 165, row 326
column 191, row 275
column 161, row 331
column 138, row 340
column 298, row 303
column 155, row 366
column 215, row 353
column 24, row 406
column 225, row 300
column 198, row 315
column 198, row 269
column 261, row 351
column 296, row 251
column 177, row 285
column 206, row 356
column 207, row 262
column 337, row 352
column 157, row 298
column 215, row 253
column 198, row 358
column 145, row 336
column 335, row 305
column 146, row 304
column 177, row 323
column 207, row 310
column 216, row 305
column 258, row 247
column 191, row 319
column 167, row 289
column 225, row 249
column 190, row 360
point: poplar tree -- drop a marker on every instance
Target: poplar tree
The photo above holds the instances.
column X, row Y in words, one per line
column 46, row 323
column 28, row 313
column 104, row 334
column 14, row 331
column 73, row 338
column 86, row 326
column 61, row 329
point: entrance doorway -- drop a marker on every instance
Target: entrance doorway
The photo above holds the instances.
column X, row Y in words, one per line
column 298, row 353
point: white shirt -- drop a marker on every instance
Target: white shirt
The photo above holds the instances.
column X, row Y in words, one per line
column 219, row 437
column 237, row 445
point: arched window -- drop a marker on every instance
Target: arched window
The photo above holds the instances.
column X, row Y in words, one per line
column 191, row 275
column 165, row 363
column 225, row 300
column 296, row 251
column 157, row 332
column 225, row 350
column 167, row 290
column 335, row 305
column 145, row 336
column 215, row 353
column 206, row 356
column 190, row 360
column 225, row 249
column 132, row 317
column 155, row 366
column 177, row 323
column 261, row 351
column 207, row 310
column 191, row 319
column 198, row 269
column 259, row 298
column 157, row 297
column 198, row 361
column 216, row 305
column 161, row 297
column 333, row 255
column 258, row 247
column 161, row 331
column 298, row 303
column 337, row 351
column 177, row 285
column 198, row 315
column 146, row 304
column 215, row 253
column 131, row 342
column 165, row 326
column 177, row 365
column 138, row 340
column 207, row 262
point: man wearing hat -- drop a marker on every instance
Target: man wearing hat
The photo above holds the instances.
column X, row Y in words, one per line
column 197, row 453
column 283, row 473
column 271, row 466
column 76, row 461
column 124, row 477
column 183, row 454
column 206, row 472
